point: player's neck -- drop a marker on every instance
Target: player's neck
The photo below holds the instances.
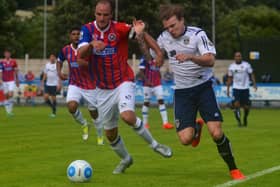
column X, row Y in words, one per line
column 74, row 45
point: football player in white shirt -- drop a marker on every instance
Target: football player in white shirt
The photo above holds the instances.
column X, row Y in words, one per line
column 191, row 56
column 51, row 84
column 239, row 73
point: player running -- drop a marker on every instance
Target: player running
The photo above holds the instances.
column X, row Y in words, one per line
column 106, row 42
column 191, row 56
column 150, row 73
column 239, row 73
column 9, row 80
column 80, row 86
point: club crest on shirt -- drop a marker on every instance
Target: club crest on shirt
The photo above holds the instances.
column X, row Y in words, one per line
column 112, row 37
column 186, row 40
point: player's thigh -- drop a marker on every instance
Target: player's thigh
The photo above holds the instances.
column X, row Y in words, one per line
column 147, row 93
column 126, row 93
column 245, row 98
column 208, row 105
column 158, row 91
column 184, row 108
column 74, row 93
column 107, row 105
column 51, row 90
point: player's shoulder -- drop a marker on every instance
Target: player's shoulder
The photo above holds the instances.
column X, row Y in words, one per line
column 195, row 31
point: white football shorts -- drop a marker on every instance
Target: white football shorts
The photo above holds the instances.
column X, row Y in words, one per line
column 149, row 91
column 74, row 93
column 111, row 103
column 9, row 86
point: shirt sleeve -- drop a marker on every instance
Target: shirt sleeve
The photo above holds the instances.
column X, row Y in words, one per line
column 142, row 64
column 61, row 57
column 249, row 69
column 204, row 44
column 85, row 36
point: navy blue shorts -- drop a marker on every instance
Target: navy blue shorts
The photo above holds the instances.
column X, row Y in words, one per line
column 191, row 100
column 51, row 90
column 242, row 96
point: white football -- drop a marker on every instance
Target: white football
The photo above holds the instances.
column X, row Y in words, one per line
column 79, row 171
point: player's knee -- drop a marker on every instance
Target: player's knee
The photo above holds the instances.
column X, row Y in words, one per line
column 216, row 134
column 72, row 107
column 160, row 101
column 93, row 114
column 147, row 104
column 185, row 138
column 129, row 117
column 112, row 134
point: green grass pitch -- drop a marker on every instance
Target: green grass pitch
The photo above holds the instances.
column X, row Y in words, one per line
column 35, row 151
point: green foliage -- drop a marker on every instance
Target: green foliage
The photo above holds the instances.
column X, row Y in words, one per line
column 247, row 23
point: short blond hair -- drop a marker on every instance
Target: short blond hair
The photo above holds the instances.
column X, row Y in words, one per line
column 166, row 11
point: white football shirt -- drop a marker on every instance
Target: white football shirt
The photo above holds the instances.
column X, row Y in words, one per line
column 52, row 77
column 240, row 73
column 193, row 41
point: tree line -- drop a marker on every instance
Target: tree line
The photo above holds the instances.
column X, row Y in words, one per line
column 236, row 20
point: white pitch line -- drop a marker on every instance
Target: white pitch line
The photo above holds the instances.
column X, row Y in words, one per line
column 249, row 177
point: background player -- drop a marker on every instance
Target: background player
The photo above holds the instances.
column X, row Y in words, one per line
column 106, row 42
column 51, row 83
column 9, row 79
column 239, row 73
column 150, row 73
column 80, row 85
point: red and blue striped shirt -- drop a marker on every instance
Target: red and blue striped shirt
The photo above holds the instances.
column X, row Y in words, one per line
column 109, row 66
column 8, row 68
column 79, row 75
column 151, row 73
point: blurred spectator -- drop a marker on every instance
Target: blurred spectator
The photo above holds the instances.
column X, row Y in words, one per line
column 29, row 77
column 20, row 77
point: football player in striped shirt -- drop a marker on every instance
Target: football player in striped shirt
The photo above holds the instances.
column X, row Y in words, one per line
column 81, row 86
column 151, row 76
column 9, row 79
column 106, row 42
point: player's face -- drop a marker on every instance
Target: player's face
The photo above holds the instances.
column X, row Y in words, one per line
column 7, row 54
column 238, row 58
column 75, row 36
column 103, row 15
column 174, row 26
column 52, row 58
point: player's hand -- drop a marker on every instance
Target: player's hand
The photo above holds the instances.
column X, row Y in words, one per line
column 17, row 83
column 1, row 82
column 63, row 76
column 138, row 26
column 183, row 57
column 98, row 45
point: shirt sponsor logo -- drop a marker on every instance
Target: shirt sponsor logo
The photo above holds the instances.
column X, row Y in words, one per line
column 106, row 51
column 74, row 65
